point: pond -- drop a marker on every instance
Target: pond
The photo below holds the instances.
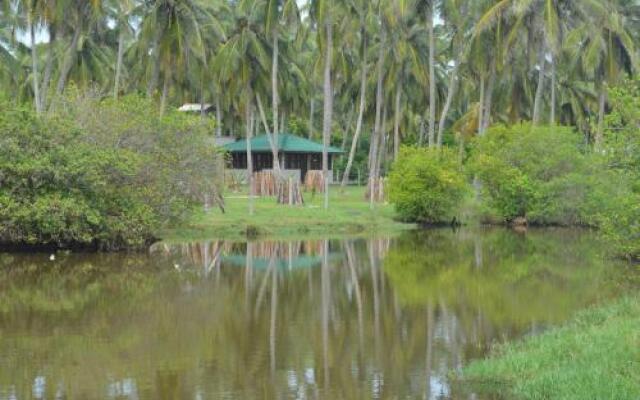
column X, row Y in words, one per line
column 389, row 317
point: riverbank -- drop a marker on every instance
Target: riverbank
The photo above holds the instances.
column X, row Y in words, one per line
column 348, row 214
column 595, row 356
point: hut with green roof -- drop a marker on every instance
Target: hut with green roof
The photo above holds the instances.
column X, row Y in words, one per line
column 297, row 155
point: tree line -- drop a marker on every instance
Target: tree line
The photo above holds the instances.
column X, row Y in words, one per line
column 390, row 71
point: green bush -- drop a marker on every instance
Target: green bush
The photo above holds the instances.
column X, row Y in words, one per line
column 426, row 185
column 621, row 222
column 544, row 174
column 99, row 174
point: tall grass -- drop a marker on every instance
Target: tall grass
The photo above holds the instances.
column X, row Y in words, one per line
column 595, row 356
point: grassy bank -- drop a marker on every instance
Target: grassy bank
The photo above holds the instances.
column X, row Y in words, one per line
column 348, row 214
column 595, row 356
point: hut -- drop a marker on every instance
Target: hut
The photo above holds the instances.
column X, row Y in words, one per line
column 297, row 155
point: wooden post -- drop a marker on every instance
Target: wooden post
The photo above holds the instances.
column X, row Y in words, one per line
column 290, row 192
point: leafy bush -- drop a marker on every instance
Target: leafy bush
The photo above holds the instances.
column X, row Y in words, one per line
column 98, row 174
column 545, row 174
column 621, row 222
column 426, row 185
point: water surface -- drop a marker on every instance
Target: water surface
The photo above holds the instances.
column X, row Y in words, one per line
column 384, row 318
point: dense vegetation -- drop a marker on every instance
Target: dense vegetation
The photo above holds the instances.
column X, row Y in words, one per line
column 387, row 72
column 426, row 185
column 622, row 224
column 546, row 175
column 540, row 175
column 98, row 174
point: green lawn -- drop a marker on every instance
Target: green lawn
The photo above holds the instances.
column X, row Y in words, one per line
column 348, row 214
column 595, row 356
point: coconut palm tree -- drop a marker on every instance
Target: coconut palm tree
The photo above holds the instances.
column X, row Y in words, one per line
column 121, row 11
column 242, row 64
column 11, row 74
column 30, row 10
column 81, row 17
column 325, row 15
column 605, row 48
column 378, row 126
column 281, row 20
column 405, row 63
column 361, row 12
column 173, row 31
column 458, row 22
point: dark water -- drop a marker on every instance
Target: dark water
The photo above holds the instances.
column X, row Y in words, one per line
column 386, row 318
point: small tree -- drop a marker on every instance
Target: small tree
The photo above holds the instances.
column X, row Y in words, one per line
column 544, row 174
column 426, row 185
column 621, row 221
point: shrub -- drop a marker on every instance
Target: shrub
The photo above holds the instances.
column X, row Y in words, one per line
column 106, row 178
column 621, row 222
column 545, row 174
column 426, row 185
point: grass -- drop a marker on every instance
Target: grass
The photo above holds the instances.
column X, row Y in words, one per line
column 348, row 214
column 595, row 356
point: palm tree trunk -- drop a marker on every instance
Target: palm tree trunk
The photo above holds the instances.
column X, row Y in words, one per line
column 453, row 86
column 311, row 112
column 218, row 115
column 34, row 67
column 202, row 110
column 249, row 134
column 432, row 78
column 165, row 94
column 272, row 143
column 356, row 135
column 283, row 121
column 328, row 112
column 155, row 60
column 373, row 151
column 552, row 116
column 274, row 85
column 383, row 142
column 347, row 128
column 486, row 119
column 422, row 132
column 602, row 102
column 396, row 124
column 537, row 104
column 48, row 70
column 67, row 64
column 116, row 83
column 481, row 106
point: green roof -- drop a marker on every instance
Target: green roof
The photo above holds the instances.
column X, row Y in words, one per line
column 286, row 143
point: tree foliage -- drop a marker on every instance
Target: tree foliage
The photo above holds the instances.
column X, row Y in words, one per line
column 621, row 224
column 103, row 175
column 544, row 174
column 426, row 185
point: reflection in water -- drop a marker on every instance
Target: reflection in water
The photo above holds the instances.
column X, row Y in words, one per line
column 353, row 319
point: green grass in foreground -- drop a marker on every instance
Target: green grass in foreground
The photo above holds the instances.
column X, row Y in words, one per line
column 595, row 356
column 348, row 214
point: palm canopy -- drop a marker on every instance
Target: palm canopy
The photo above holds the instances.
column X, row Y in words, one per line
column 511, row 59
